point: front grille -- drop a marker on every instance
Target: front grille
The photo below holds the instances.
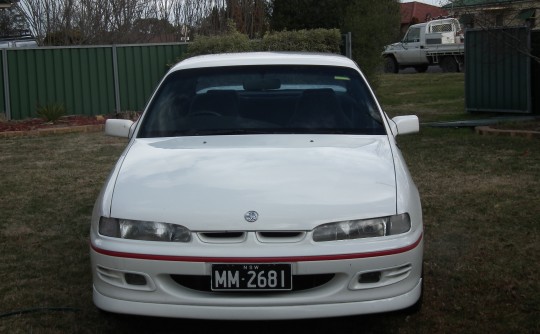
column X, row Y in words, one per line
column 279, row 234
column 300, row 282
column 223, row 237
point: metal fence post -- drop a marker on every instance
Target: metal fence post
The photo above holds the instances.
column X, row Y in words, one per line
column 116, row 81
column 348, row 47
column 5, row 72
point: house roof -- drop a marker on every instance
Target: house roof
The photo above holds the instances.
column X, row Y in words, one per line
column 474, row 3
column 423, row 12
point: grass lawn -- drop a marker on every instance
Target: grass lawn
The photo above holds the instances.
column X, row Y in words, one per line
column 431, row 96
column 481, row 203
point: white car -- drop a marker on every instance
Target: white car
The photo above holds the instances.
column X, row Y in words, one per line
column 259, row 186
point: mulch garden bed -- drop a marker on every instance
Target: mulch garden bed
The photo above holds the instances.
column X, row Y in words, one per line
column 39, row 123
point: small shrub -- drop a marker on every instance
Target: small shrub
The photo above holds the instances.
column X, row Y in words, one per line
column 314, row 40
column 51, row 112
column 235, row 42
column 232, row 41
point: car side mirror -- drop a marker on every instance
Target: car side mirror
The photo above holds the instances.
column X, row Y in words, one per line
column 402, row 125
column 119, row 127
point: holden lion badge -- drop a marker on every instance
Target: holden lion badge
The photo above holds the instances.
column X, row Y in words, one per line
column 251, row 216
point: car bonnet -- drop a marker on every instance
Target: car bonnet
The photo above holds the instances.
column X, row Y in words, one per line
column 293, row 182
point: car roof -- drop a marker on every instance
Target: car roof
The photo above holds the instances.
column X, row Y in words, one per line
column 265, row 58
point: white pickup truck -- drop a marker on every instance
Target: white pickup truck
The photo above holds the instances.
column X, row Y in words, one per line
column 438, row 42
column 18, row 42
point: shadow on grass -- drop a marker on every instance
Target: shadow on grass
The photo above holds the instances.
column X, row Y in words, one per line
column 376, row 323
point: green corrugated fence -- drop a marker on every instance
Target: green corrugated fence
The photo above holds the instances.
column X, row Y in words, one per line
column 141, row 69
column 86, row 80
column 498, row 75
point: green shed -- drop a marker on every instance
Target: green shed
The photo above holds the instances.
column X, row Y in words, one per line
column 503, row 70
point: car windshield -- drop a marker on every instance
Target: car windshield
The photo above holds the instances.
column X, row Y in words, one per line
column 262, row 100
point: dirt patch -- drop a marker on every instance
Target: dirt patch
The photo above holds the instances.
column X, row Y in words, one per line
column 527, row 129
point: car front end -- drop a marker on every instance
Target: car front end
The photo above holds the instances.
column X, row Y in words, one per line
column 259, row 214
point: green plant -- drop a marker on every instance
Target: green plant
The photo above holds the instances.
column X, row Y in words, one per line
column 373, row 25
column 51, row 112
column 232, row 41
column 313, row 40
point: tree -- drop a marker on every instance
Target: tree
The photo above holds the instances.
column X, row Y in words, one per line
column 249, row 16
column 491, row 20
column 146, row 29
column 215, row 23
column 373, row 24
column 12, row 22
column 307, row 14
column 95, row 21
column 186, row 16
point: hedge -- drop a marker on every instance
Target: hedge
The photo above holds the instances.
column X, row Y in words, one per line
column 314, row 40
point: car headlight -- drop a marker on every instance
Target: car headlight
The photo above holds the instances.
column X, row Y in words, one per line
column 143, row 230
column 364, row 228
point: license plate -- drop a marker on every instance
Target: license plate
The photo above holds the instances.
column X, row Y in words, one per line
column 251, row 277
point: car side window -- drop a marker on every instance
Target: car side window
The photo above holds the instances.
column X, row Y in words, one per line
column 412, row 36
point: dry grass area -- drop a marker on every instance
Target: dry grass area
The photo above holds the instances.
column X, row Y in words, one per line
column 481, row 211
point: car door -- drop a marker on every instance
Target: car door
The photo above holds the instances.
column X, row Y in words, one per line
column 412, row 44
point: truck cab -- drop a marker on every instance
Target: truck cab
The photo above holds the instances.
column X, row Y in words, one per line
column 423, row 43
column 412, row 43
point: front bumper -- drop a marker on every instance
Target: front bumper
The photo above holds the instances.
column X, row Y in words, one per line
column 343, row 294
column 278, row 312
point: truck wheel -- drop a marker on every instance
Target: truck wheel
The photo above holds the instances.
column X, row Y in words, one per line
column 390, row 65
column 421, row 68
column 449, row 65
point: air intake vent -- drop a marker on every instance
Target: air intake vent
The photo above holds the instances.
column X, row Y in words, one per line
column 222, row 237
column 281, row 236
